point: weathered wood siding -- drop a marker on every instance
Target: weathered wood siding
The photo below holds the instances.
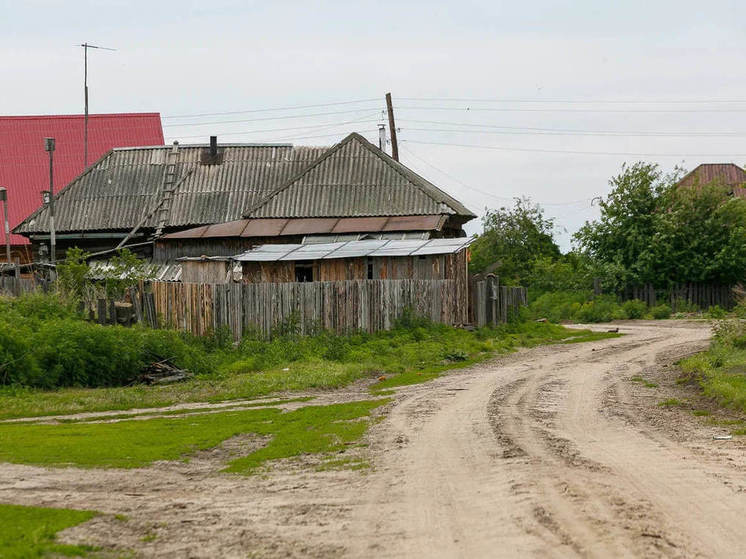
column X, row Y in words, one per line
column 12, row 286
column 494, row 303
column 205, row 271
column 339, row 306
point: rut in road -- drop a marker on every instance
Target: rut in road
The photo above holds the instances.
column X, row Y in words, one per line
column 543, row 456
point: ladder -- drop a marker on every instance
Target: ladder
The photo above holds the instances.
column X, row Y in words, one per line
column 169, row 186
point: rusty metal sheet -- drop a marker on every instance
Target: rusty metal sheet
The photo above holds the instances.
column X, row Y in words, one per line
column 263, row 227
column 195, row 233
column 413, row 223
column 310, row 225
column 359, row 224
column 229, row 229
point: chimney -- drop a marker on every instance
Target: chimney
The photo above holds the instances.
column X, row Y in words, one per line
column 211, row 155
column 213, row 146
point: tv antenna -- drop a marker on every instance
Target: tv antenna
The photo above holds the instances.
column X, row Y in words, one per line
column 87, row 46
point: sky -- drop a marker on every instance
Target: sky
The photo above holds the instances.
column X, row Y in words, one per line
column 493, row 100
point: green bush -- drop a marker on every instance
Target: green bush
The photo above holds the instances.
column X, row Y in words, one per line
column 635, row 308
column 17, row 363
column 601, row 309
column 661, row 311
column 716, row 312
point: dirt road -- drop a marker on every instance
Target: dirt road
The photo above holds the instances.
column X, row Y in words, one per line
column 551, row 456
column 551, row 452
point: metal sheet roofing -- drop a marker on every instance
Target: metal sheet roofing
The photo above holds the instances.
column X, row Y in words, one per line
column 270, row 227
column 727, row 174
column 355, row 178
column 353, row 249
column 24, row 165
column 120, row 189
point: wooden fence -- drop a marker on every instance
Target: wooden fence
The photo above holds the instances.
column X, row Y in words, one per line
column 13, row 286
column 493, row 303
column 703, row 295
column 338, row 306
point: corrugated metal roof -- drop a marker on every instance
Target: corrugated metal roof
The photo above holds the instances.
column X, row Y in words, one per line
column 24, row 165
column 162, row 271
column 727, row 174
column 353, row 249
column 355, row 178
column 270, row 227
column 120, row 189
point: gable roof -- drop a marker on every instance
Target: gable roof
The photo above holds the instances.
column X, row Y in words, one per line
column 121, row 188
column 727, row 174
column 354, row 178
column 24, row 165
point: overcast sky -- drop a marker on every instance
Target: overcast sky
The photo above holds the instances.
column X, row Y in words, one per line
column 527, row 81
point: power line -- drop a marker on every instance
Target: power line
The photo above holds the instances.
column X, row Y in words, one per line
column 566, row 110
column 484, row 192
column 247, row 111
column 578, row 152
column 575, row 101
column 284, row 117
column 571, row 131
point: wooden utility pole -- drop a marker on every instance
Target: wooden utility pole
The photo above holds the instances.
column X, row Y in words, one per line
column 392, row 128
column 87, row 46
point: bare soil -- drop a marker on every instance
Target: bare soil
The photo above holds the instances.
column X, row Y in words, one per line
column 551, row 452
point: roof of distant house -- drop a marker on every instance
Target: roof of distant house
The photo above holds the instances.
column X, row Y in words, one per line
column 24, row 165
column 727, row 174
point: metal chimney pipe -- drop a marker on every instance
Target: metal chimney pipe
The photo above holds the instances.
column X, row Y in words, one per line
column 213, row 146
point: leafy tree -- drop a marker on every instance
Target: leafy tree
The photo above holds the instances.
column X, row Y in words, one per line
column 651, row 231
column 512, row 240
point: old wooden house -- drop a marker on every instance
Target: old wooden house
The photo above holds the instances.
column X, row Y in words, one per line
column 220, row 200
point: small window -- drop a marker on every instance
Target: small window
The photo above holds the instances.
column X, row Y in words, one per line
column 303, row 272
column 370, row 268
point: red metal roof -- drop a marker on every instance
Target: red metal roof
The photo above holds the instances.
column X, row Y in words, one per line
column 24, row 165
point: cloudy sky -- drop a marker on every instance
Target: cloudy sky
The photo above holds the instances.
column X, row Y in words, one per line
column 493, row 99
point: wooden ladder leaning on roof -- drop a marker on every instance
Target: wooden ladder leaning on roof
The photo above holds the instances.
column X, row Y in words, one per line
column 169, row 187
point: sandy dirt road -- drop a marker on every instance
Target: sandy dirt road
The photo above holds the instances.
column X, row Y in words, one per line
column 550, row 452
column 550, row 456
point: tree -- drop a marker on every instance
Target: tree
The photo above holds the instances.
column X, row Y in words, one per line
column 513, row 238
column 652, row 231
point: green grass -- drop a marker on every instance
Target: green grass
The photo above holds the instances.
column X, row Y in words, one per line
column 257, row 369
column 644, row 382
column 671, row 403
column 721, row 370
column 28, row 532
column 133, row 444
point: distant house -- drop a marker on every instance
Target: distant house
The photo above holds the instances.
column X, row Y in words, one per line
column 24, row 166
column 222, row 200
column 724, row 174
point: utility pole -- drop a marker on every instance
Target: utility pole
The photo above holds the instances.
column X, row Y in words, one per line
column 49, row 147
column 86, row 46
column 4, row 200
column 392, row 127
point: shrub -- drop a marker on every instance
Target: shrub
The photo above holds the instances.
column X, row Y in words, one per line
column 634, row 308
column 661, row 311
column 17, row 364
column 716, row 312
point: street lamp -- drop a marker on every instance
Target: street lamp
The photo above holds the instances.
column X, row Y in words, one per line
column 49, row 147
column 4, row 200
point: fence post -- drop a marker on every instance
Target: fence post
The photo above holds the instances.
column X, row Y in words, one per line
column 101, row 311
column 492, row 299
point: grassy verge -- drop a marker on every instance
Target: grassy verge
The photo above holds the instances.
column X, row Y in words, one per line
column 413, row 352
column 721, row 370
column 27, row 532
column 133, row 444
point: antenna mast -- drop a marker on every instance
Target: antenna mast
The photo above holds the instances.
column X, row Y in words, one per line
column 87, row 46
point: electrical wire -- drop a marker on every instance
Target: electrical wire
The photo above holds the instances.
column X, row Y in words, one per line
column 574, row 101
column 578, row 152
column 247, row 111
column 566, row 110
column 284, row 117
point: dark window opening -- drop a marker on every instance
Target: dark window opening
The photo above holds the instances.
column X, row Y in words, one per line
column 370, row 269
column 303, row 272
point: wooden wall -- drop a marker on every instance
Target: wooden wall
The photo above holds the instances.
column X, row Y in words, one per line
column 205, row 271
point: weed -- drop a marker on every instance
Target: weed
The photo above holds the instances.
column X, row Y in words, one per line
column 701, row 413
column 671, row 403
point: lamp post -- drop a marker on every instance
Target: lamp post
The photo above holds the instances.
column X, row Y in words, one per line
column 4, row 200
column 49, row 147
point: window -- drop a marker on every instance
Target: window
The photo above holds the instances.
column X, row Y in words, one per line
column 303, row 271
column 370, row 268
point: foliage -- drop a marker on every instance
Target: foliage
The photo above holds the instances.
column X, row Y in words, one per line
column 72, row 276
column 512, row 239
column 28, row 532
column 661, row 311
column 634, row 308
column 137, row 443
column 720, row 369
column 125, row 271
column 653, row 232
